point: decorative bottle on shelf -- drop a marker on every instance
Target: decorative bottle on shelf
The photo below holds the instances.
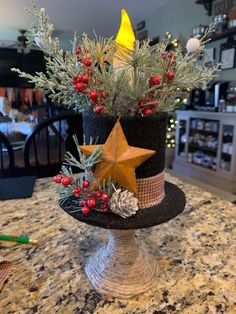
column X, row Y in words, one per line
column 222, row 105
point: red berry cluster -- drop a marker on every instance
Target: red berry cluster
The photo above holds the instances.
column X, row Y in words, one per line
column 94, row 199
column 89, row 200
column 147, row 106
column 88, row 84
column 65, row 181
column 169, row 61
column 97, row 98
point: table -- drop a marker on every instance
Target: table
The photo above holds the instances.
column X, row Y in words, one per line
column 195, row 252
column 16, row 127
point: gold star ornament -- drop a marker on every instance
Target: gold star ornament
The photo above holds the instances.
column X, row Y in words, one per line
column 119, row 160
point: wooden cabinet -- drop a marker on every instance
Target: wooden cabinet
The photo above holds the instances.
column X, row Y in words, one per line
column 206, row 147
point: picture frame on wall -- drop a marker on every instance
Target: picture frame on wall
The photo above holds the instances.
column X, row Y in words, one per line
column 227, row 58
column 209, row 57
column 227, row 54
column 142, row 35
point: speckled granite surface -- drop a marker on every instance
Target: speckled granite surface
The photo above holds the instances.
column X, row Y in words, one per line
column 196, row 252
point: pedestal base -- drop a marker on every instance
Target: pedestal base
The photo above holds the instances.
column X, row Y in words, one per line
column 120, row 268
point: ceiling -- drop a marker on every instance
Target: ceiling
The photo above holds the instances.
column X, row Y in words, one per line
column 103, row 16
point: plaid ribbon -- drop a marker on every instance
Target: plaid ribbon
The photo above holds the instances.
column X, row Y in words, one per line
column 151, row 190
column 5, row 270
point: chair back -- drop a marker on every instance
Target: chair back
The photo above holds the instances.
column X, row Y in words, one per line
column 46, row 111
column 45, row 147
column 6, row 157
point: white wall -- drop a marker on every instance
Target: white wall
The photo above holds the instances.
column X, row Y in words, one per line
column 177, row 17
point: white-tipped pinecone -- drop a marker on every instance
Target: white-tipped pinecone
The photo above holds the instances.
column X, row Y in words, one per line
column 123, row 203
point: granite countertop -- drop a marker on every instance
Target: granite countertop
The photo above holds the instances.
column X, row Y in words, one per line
column 195, row 251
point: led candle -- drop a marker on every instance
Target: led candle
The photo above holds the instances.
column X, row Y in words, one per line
column 125, row 39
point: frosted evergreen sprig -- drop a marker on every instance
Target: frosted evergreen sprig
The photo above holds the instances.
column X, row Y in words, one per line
column 84, row 162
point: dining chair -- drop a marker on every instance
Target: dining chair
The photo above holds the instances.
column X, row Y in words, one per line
column 46, row 145
column 6, row 157
column 45, row 111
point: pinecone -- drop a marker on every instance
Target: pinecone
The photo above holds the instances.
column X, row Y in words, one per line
column 124, row 106
column 123, row 203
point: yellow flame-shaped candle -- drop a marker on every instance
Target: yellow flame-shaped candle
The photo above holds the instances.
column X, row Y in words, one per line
column 125, row 36
column 125, row 39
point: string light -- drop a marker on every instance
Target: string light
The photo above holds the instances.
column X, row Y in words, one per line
column 168, row 35
column 170, row 137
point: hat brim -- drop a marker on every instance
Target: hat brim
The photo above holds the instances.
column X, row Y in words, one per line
column 171, row 206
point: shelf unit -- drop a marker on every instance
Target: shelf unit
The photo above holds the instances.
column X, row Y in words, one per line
column 206, row 147
column 227, row 33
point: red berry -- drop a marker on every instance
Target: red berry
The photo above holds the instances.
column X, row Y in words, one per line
column 80, row 87
column 86, row 184
column 105, row 209
column 104, row 197
column 91, row 203
column 147, row 111
column 164, row 55
column 170, row 54
column 153, row 103
column 78, row 50
column 83, row 203
column 66, row 181
column 173, row 62
column 85, row 210
column 104, row 94
column 87, row 62
column 170, row 75
column 89, row 195
column 76, row 192
column 75, row 79
column 155, row 80
column 97, row 193
column 93, row 95
column 142, row 102
column 57, row 179
column 98, row 109
column 84, row 78
column 102, row 103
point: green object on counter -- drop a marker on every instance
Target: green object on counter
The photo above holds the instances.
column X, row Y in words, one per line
column 25, row 240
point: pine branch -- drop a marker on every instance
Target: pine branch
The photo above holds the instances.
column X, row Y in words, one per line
column 84, row 162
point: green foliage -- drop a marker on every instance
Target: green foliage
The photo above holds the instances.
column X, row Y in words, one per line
column 85, row 163
column 126, row 85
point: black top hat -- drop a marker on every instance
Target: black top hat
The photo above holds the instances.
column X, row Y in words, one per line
column 147, row 132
